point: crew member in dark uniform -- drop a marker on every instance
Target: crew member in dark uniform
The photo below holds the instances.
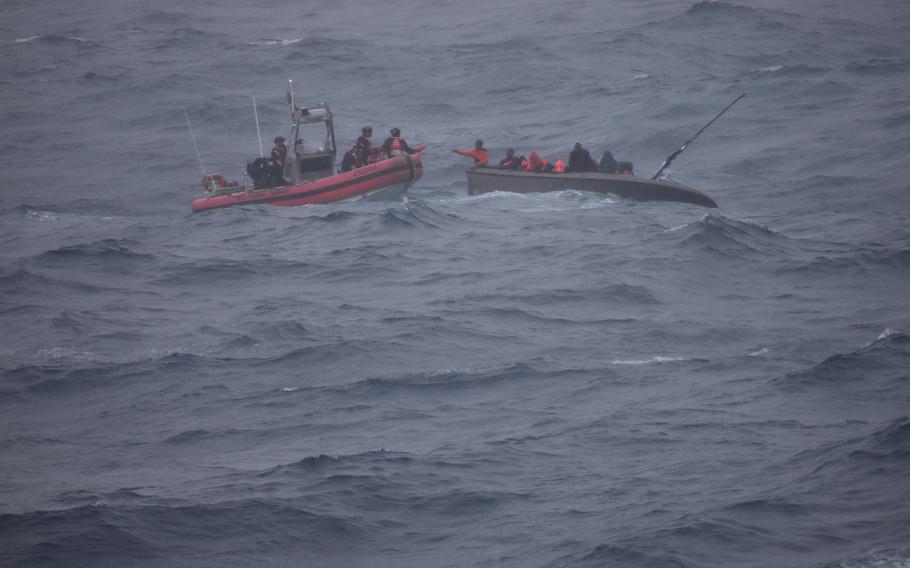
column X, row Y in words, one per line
column 364, row 145
column 350, row 160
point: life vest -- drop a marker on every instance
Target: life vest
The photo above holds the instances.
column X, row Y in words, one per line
column 395, row 144
column 279, row 154
column 213, row 181
column 560, row 167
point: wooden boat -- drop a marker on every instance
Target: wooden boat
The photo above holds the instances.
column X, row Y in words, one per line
column 488, row 179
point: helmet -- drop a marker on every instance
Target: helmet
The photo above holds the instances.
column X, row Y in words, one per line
column 367, row 130
column 396, row 132
column 279, row 139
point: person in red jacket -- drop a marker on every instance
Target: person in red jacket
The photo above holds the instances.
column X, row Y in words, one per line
column 479, row 153
column 278, row 157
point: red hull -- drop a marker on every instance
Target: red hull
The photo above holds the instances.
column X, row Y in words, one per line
column 355, row 183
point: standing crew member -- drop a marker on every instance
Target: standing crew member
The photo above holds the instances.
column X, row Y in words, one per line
column 278, row 157
column 395, row 145
column 580, row 160
column 479, row 153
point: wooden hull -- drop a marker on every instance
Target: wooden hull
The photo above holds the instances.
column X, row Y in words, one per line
column 387, row 178
column 485, row 180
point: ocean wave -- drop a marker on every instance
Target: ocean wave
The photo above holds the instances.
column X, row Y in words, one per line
column 878, row 363
column 69, row 375
column 25, row 283
column 52, row 39
column 174, row 532
column 730, row 238
column 106, row 250
column 323, row 462
column 657, row 359
column 713, row 8
column 880, row 66
column 784, row 70
column 272, row 42
column 879, row 558
column 450, row 380
column 859, row 262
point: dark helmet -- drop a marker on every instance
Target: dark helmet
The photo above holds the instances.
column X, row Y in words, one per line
column 478, row 144
column 396, row 132
column 366, row 130
column 279, row 139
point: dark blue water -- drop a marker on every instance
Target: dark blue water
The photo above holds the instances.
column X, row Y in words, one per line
column 555, row 380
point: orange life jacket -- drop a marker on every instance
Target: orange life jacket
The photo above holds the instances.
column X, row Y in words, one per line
column 216, row 180
column 559, row 167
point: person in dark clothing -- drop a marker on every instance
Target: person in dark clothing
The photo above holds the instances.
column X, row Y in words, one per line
column 364, row 145
column 350, row 160
column 580, row 160
column 395, row 145
column 508, row 163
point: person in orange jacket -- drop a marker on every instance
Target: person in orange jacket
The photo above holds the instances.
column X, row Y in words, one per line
column 479, row 153
column 537, row 163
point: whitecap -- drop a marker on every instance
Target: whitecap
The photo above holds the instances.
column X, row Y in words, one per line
column 886, row 334
column 762, row 351
column 41, row 215
column 771, row 69
column 282, row 42
column 26, row 39
column 641, row 76
column 655, row 359
column 883, row 335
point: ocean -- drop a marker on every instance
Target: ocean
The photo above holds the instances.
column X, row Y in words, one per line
column 503, row 380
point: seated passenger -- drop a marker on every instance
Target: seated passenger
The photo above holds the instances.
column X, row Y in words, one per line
column 580, row 160
column 607, row 163
column 538, row 164
column 395, row 145
column 479, row 153
column 559, row 167
column 624, row 168
column 508, row 163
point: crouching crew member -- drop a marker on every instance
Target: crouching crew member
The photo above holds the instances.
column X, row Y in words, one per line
column 350, row 160
column 395, row 145
column 479, row 153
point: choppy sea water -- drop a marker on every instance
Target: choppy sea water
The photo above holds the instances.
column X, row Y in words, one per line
column 556, row 380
